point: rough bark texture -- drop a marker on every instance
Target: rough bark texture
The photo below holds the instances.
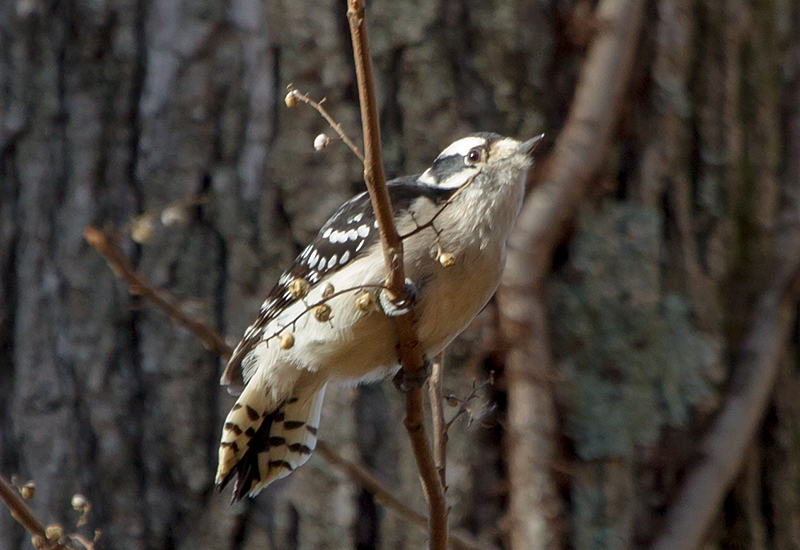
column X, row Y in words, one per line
column 111, row 111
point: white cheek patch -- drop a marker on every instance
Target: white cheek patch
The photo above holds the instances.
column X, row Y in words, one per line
column 458, row 179
column 462, row 146
column 427, row 178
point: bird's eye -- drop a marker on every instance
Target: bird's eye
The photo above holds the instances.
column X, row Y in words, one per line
column 474, row 156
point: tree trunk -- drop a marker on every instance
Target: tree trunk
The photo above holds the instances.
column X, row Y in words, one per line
column 164, row 123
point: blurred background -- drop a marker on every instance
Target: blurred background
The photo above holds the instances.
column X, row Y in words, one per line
column 163, row 123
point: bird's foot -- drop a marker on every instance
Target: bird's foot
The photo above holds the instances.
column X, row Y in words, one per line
column 405, row 382
column 401, row 308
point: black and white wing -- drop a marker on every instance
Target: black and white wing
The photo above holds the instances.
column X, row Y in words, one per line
column 348, row 235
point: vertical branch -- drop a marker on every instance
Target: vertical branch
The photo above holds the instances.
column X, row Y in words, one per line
column 120, row 265
column 436, row 397
column 374, row 176
column 580, row 150
column 409, row 350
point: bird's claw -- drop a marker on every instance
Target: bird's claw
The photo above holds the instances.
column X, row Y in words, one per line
column 396, row 309
column 405, row 382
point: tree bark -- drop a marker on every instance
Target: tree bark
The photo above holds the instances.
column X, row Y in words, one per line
column 114, row 112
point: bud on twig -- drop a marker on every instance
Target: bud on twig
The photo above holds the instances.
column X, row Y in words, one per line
column 28, row 491
column 174, row 215
column 54, row 532
column 291, row 99
column 322, row 313
column 327, row 291
column 364, row 302
column 79, row 502
column 447, row 259
column 299, row 288
column 142, row 229
column 287, row 341
column 321, row 142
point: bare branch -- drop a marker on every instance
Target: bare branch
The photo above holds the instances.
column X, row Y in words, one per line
column 137, row 284
column 580, row 152
column 723, row 448
column 21, row 512
column 333, row 124
column 121, row 267
column 384, row 497
column 409, row 350
column 436, row 397
column 463, row 404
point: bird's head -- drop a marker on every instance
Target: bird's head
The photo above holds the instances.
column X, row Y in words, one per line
column 496, row 160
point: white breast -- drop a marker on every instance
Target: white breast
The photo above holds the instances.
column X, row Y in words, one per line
column 348, row 346
column 454, row 295
column 362, row 345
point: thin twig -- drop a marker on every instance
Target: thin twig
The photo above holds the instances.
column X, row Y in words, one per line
column 137, row 284
column 368, row 481
column 333, row 124
column 311, row 307
column 21, row 512
column 409, row 350
column 464, row 403
column 125, row 271
column 421, row 227
column 436, row 397
column 374, row 176
column 83, row 541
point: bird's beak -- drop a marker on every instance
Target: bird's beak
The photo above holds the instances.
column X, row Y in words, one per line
column 527, row 147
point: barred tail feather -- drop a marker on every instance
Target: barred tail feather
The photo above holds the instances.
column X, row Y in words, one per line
column 291, row 441
column 252, row 413
column 262, row 441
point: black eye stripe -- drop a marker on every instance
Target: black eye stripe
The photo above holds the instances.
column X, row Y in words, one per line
column 447, row 164
column 445, row 167
column 355, row 236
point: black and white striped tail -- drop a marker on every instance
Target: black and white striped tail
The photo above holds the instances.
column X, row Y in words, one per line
column 260, row 445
